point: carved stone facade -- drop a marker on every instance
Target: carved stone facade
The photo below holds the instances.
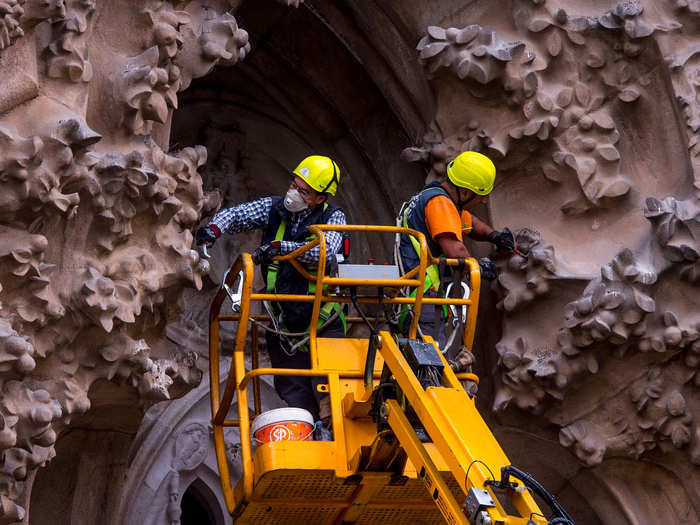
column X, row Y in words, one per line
column 588, row 348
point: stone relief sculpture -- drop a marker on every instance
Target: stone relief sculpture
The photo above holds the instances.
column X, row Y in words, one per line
column 590, row 110
column 84, row 289
column 644, row 301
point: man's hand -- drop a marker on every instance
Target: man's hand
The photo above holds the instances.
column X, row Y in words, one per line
column 462, row 362
column 266, row 252
column 489, row 271
column 207, row 235
column 502, row 240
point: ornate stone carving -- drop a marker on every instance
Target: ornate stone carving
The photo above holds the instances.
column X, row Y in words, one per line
column 524, row 279
column 614, row 307
column 10, row 30
column 576, row 120
column 654, row 414
column 36, row 11
column 149, row 92
column 67, row 53
column 475, row 52
column 16, row 352
column 51, row 298
column 215, row 39
column 677, row 225
column 191, row 446
column 570, row 101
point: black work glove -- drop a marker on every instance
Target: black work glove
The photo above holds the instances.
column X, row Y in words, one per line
column 489, row 271
column 266, row 252
column 207, row 235
column 502, row 240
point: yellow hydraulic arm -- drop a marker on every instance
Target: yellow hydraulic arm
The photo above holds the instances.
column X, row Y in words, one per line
column 462, row 438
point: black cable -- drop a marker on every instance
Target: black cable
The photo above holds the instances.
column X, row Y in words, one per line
column 374, row 331
column 372, row 347
column 561, row 516
column 466, row 478
column 353, row 298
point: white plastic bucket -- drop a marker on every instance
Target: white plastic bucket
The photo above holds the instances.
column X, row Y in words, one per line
column 283, row 424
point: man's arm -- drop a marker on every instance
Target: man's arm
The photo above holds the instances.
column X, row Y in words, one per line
column 451, row 246
column 480, row 230
column 333, row 242
column 244, row 217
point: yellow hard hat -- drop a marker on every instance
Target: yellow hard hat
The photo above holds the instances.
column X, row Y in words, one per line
column 473, row 171
column 319, row 172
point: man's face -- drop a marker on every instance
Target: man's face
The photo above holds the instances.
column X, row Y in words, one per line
column 465, row 195
column 310, row 195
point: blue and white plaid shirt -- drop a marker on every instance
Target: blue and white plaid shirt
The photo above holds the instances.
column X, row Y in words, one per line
column 256, row 214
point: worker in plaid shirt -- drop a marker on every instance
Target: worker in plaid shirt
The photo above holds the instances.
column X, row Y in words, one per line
column 284, row 221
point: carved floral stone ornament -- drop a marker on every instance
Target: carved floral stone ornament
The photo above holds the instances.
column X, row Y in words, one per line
column 126, row 125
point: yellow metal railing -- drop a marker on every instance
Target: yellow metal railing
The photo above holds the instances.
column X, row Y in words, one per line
column 238, row 378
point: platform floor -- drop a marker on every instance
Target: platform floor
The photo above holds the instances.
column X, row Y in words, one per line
column 317, row 497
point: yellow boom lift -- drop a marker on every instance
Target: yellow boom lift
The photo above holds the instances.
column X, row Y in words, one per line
column 381, row 388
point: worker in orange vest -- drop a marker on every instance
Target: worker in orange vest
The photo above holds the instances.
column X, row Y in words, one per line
column 441, row 212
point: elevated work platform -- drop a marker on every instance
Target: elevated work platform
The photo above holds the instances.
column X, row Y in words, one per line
column 409, row 446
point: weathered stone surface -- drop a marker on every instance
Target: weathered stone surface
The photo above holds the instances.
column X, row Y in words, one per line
column 590, row 111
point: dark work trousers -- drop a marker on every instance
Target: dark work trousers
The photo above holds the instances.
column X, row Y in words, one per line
column 431, row 321
column 299, row 391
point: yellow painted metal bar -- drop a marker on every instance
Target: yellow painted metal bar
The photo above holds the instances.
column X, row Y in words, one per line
column 299, row 251
column 291, row 258
column 474, row 292
column 365, row 228
column 458, row 431
column 338, row 423
column 450, row 378
column 320, row 271
column 280, row 372
column 241, row 336
column 296, row 372
column 221, row 405
column 409, row 274
column 338, row 281
column 467, row 376
column 352, row 319
column 225, row 476
column 255, row 362
column 238, row 363
column 214, row 380
column 427, row 471
column 342, row 299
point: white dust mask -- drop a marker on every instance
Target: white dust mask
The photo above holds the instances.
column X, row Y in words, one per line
column 293, row 201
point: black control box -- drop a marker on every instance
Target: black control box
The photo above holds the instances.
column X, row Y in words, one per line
column 420, row 354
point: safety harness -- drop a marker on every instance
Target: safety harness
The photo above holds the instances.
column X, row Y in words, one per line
column 327, row 309
column 433, row 271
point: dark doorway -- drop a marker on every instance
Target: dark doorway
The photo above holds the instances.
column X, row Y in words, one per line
column 199, row 506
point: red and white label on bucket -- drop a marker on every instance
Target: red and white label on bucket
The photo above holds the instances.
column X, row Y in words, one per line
column 285, row 431
column 279, row 433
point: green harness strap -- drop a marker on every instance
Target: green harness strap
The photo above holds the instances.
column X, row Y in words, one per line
column 327, row 309
column 275, row 265
column 432, row 274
